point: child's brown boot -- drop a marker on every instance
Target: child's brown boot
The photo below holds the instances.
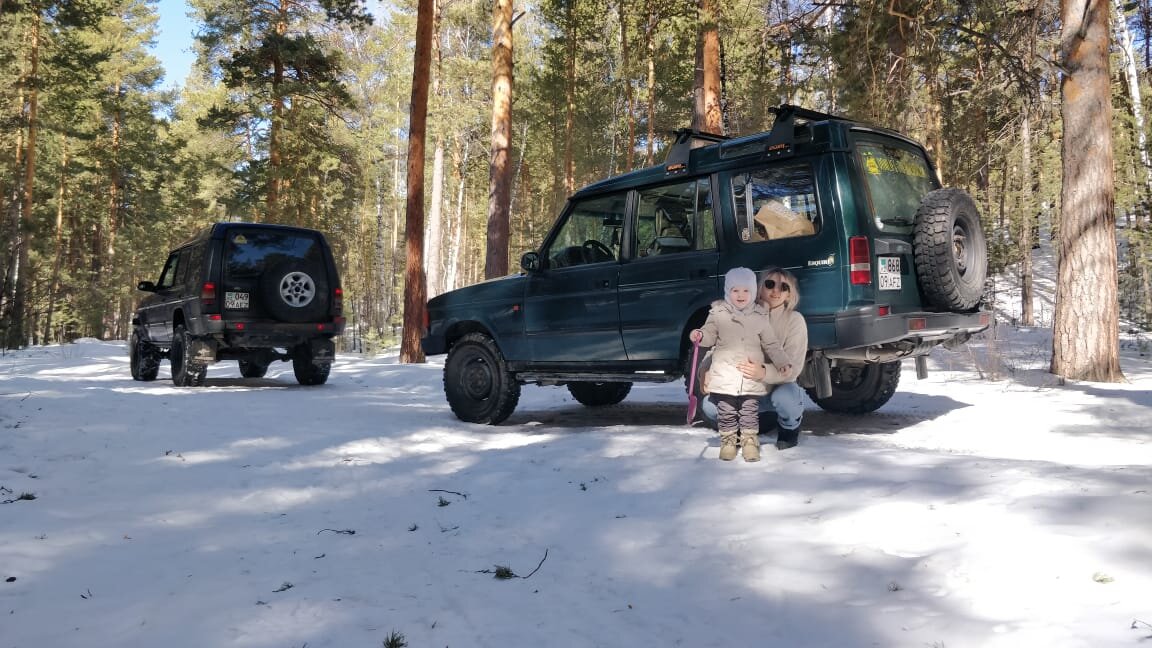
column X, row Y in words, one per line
column 750, row 443
column 728, row 446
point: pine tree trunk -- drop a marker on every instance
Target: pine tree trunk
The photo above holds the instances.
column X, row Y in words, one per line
column 1085, row 339
column 650, row 47
column 569, row 97
column 709, row 117
column 1027, row 217
column 15, row 334
column 415, row 291
column 435, row 255
column 626, row 77
column 1132, row 77
column 499, row 168
column 58, row 240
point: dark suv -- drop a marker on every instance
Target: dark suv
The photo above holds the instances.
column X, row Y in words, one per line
column 246, row 292
column 890, row 265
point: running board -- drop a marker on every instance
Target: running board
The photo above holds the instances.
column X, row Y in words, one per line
column 559, row 377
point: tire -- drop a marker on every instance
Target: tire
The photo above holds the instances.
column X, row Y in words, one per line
column 859, row 388
column 308, row 372
column 295, row 291
column 253, row 368
column 143, row 359
column 598, row 394
column 951, row 253
column 185, row 373
column 479, row 387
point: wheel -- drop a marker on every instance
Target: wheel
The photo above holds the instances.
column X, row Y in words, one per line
column 596, row 394
column 479, row 387
column 253, row 368
column 951, row 253
column 185, row 373
column 595, row 252
column 294, row 292
column 306, row 370
column 143, row 360
column 859, row 388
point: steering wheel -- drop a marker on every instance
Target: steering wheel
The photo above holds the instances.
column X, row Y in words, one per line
column 597, row 251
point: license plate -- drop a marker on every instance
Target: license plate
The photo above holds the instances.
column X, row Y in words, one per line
column 889, row 272
column 235, row 300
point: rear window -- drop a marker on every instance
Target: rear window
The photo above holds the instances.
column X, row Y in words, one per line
column 250, row 252
column 897, row 176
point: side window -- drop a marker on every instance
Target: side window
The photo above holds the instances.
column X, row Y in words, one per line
column 775, row 203
column 592, row 233
column 182, row 268
column 674, row 218
column 168, row 275
column 897, row 176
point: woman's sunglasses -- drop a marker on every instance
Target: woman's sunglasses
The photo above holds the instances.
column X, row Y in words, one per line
column 771, row 283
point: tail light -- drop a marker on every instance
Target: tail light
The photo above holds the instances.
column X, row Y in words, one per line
column 338, row 301
column 860, row 261
column 208, row 295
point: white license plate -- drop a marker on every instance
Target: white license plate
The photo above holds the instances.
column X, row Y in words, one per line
column 235, row 300
column 889, row 272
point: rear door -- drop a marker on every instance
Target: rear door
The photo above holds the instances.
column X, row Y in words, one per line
column 897, row 175
column 277, row 274
column 570, row 311
column 672, row 269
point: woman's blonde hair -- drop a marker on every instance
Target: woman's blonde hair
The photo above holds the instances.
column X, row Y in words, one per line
column 792, row 297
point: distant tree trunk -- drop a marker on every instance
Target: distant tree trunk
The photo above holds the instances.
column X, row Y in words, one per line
column 58, row 240
column 626, row 76
column 1085, row 338
column 499, row 168
column 708, row 116
column 16, row 337
column 275, row 158
column 435, row 258
column 1027, row 217
column 1132, row 77
column 569, row 96
column 461, row 154
column 415, row 291
column 650, row 52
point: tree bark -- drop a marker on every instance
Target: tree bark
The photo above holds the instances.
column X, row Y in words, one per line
column 499, row 169
column 1085, row 337
column 708, row 117
column 569, row 96
column 626, row 77
column 415, row 291
column 1027, row 218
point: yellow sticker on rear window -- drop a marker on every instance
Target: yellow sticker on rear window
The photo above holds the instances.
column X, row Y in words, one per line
column 239, row 239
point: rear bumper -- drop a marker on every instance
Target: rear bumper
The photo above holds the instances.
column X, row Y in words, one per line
column 863, row 327
column 272, row 334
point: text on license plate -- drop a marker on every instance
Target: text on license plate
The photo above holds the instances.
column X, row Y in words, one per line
column 889, row 272
column 235, row 300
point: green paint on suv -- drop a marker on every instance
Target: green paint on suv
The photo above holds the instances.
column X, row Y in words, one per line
column 253, row 293
column 890, row 265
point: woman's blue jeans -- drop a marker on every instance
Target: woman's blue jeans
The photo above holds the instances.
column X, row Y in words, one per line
column 786, row 400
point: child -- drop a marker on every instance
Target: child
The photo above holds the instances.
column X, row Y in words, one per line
column 737, row 329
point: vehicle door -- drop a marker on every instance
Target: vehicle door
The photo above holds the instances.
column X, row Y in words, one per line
column 570, row 311
column 156, row 310
column 672, row 267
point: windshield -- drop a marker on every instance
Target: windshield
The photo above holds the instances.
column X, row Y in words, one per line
column 898, row 176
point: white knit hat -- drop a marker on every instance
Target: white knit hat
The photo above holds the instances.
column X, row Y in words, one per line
column 739, row 277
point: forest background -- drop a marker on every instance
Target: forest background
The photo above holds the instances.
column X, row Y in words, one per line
column 297, row 112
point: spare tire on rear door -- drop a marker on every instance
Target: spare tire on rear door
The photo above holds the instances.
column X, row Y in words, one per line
column 295, row 291
column 951, row 254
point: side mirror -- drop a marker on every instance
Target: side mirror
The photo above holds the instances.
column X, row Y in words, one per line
column 146, row 286
column 530, row 262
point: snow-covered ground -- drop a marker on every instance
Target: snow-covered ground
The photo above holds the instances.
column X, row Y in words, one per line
column 988, row 505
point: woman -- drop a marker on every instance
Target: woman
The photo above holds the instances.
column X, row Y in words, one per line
column 779, row 295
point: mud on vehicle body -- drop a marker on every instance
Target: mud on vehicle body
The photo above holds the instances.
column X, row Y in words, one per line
column 889, row 264
column 253, row 293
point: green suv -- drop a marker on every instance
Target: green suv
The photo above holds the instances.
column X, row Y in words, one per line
column 253, row 293
column 890, row 265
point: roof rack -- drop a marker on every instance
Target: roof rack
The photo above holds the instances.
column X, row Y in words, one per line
column 686, row 139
